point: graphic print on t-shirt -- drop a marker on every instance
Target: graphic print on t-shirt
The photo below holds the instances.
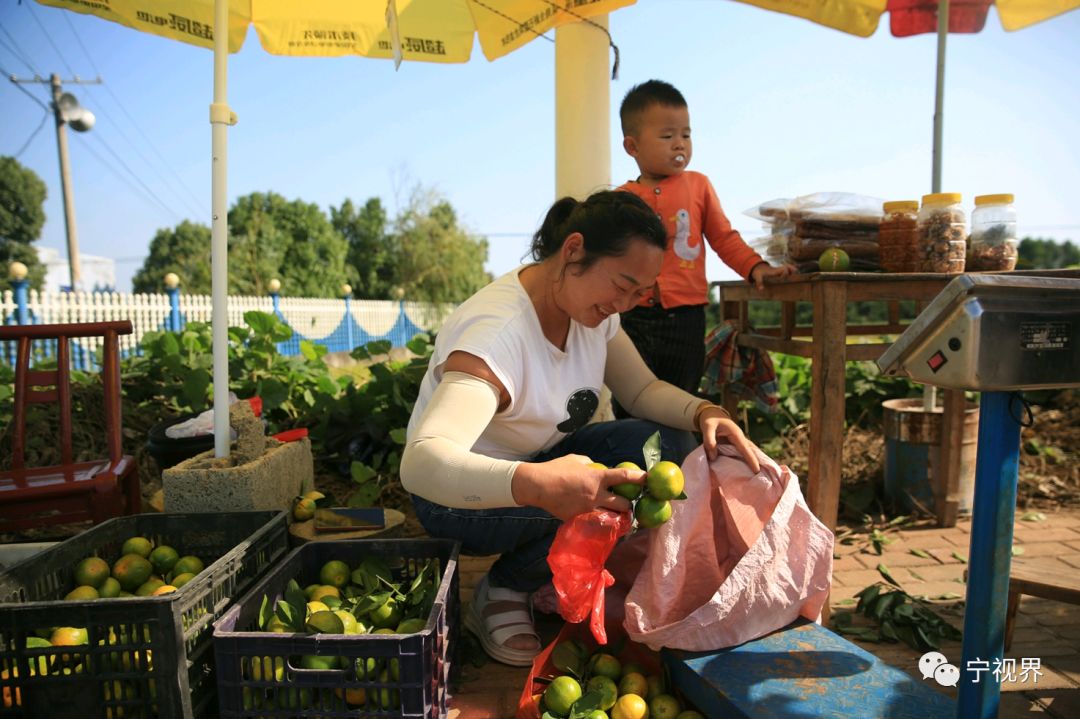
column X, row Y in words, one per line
column 681, row 242
column 580, row 406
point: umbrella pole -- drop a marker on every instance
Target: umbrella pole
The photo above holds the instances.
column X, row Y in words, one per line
column 939, row 91
column 220, row 119
column 930, row 392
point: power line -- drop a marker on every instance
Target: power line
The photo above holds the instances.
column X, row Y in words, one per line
column 30, row 7
column 34, row 134
column 110, row 168
column 25, row 91
column 15, row 50
column 196, row 207
column 138, row 179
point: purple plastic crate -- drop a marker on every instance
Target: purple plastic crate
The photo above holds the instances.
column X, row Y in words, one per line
column 423, row 659
column 145, row 656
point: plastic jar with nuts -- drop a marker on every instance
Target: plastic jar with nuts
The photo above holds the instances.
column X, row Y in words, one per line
column 942, row 233
column 899, row 236
column 994, row 245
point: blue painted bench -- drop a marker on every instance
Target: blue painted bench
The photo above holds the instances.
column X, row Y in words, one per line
column 800, row 672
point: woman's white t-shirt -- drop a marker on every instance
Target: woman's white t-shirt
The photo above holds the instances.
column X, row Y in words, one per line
column 553, row 392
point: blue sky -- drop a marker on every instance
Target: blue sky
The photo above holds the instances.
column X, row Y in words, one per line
column 779, row 107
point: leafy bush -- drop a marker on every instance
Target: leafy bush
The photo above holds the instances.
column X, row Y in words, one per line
column 363, row 430
column 175, row 371
column 865, row 389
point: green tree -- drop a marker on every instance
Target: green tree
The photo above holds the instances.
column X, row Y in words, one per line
column 1045, row 254
column 22, row 215
column 185, row 250
column 436, row 259
column 293, row 241
column 371, row 254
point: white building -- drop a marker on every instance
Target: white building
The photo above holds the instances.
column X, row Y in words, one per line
column 98, row 273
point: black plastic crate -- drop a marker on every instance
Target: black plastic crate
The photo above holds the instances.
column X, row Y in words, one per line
column 145, row 656
column 424, row 658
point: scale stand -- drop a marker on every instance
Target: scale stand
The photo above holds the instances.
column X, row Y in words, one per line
column 998, row 335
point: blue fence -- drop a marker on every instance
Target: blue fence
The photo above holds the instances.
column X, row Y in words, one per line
column 340, row 325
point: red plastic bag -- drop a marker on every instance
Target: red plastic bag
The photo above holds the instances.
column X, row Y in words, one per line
column 577, row 558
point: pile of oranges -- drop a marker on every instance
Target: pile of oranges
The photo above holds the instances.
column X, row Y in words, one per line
column 600, row 686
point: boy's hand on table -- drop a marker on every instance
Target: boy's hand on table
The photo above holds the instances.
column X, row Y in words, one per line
column 764, row 270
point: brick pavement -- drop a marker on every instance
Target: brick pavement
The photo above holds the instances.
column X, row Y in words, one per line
column 1046, row 630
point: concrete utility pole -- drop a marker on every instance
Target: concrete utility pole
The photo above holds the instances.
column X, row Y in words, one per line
column 66, row 110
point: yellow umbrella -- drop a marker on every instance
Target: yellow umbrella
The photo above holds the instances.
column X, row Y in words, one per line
column 425, row 30
column 430, row 30
column 912, row 17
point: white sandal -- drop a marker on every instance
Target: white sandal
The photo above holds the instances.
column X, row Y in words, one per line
column 492, row 631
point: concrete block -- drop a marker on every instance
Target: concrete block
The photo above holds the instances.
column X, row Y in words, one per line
column 268, row 482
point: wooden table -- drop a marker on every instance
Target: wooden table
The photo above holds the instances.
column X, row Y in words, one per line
column 825, row 343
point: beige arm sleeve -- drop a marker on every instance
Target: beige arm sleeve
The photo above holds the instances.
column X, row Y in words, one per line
column 438, row 462
column 638, row 390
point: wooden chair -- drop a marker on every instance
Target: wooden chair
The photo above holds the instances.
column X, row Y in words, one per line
column 70, row 491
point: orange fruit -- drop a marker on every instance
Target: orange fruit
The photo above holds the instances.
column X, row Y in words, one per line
column 596, row 465
column 606, row 688
column 656, row 686
column 605, row 665
column 651, row 512
column 132, row 570
column 109, row 589
column 630, row 706
column 163, row 589
column 665, row 480
column 304, row 509
column 325, row 623
column 354, row 696
column 833, row 259
column 82, row 593
column 188, row 564
column 181, row 579
column 163, row 558
column 411, row 626
column 335, row 573
column 137, row 545
column 632, row 666
column 386, row 615
column 561, row 695
column 91, row 572
column 628, row 489
column 148, row 587
column 634, row 683
column 664, row 706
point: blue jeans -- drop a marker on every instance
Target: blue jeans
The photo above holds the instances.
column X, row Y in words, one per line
column 523, row 535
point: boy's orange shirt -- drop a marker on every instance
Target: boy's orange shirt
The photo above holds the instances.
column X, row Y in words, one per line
column 690, row 210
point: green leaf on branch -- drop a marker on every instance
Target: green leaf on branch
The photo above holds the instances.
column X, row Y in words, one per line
column 651, row 451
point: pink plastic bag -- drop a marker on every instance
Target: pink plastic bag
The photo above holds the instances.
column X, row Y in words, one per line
column 577, row 557
column 743, row 556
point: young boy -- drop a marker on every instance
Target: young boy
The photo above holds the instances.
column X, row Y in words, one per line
column 669, row 327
